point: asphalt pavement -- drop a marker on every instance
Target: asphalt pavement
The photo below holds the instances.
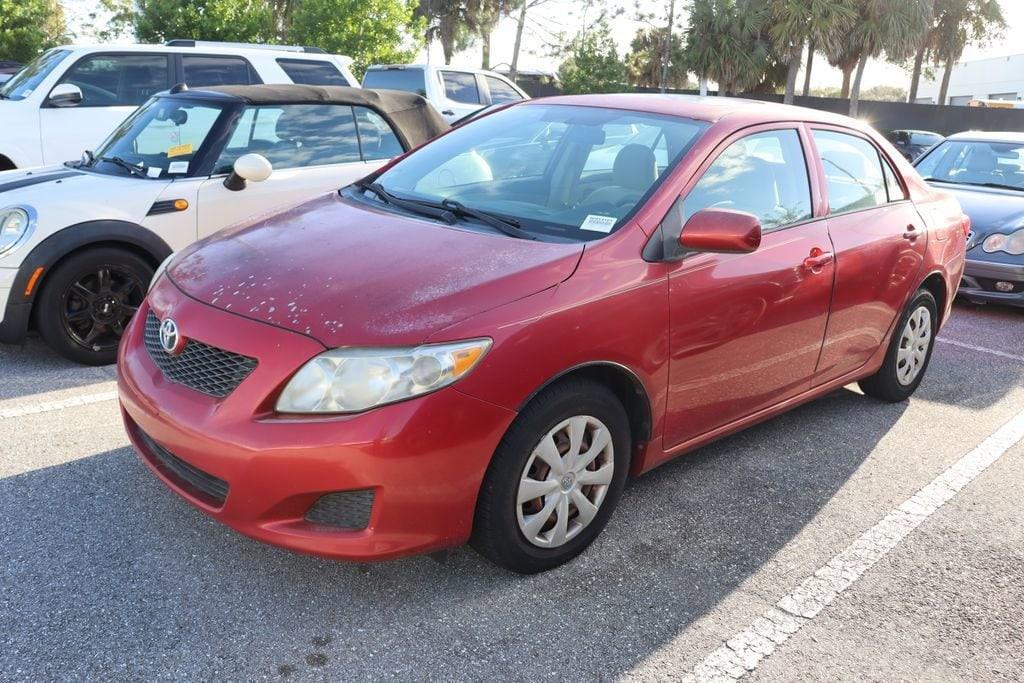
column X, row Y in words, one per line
column 105, row 574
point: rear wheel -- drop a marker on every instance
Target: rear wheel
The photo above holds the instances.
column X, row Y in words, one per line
column 87, row 301
column 909, row 352
column 554, row 479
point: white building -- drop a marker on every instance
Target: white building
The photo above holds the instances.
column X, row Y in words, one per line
column 996, row 78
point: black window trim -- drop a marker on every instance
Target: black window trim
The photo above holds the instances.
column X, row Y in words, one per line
column 485, row 88
column 300, row 60
column 169, row 56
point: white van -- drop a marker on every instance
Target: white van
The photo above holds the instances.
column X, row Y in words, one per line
column 71, row 98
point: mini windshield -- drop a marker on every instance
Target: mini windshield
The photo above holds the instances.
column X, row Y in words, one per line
column 24, row 83
column 161, row 139
column 563, row 172
column 968, row 162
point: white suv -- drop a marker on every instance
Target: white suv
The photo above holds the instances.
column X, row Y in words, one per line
column 455, row 93
column 72, row 97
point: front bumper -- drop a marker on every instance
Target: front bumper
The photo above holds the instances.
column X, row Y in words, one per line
column 422, row 459
column 980, row 278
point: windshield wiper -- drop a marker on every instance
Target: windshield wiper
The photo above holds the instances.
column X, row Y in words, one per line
column 942, row 180
column 131, row 168
column 509, row 226
column 422, row 208
column 1001, row 186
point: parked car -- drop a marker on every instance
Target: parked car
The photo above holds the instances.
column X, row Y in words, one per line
column 454, row 92
column 985, row 172
column 79, row 243
column 8, row 69
column 407, row 365
column 72, row 97
column 912, row 143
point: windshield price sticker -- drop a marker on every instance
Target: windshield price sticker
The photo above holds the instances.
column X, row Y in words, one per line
column 179, row 150
column 154, row 171
column 178, row 167
column 598, row 223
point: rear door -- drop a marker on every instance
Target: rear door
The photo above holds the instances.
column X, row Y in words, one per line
column 746, row 329
column 314, row 149
column 113, row 85
column 462, row 94
column 879, row 241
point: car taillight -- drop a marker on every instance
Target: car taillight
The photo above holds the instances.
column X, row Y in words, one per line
column 965, row 223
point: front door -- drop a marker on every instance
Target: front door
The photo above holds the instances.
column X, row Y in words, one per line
column 747, row 329
column 879, row 242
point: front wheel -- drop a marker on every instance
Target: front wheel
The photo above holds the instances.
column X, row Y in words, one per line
column 87, row 301
column 909, row 352
column 554, row 479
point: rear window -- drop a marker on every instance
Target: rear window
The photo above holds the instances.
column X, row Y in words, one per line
column 410, row 80
column 460, row 86
column 203, row 70
column 307, row 72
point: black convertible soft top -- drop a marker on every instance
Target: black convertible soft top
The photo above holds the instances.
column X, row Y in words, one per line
column 412, row 117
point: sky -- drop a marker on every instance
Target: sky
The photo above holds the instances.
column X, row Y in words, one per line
column 554, row 17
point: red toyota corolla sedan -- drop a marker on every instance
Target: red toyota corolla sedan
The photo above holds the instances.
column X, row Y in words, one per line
column 483, row 340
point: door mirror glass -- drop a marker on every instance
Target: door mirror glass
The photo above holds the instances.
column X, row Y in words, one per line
column 254, row 167
column 722, row 231
column 66, row 95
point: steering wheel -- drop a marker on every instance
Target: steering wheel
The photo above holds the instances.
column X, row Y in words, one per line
column 92, row 92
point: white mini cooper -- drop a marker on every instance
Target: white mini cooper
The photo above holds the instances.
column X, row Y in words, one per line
column 79, row 243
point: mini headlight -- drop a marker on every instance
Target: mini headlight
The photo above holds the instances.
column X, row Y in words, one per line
column 160, row 271
column 1011, row 244
column 352, row 380
column 14, row 225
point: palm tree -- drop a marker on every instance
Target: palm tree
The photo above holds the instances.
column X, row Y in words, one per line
column 646, row 59
column 894, row 27
column 957, row 23
column 796, row 23
column 726, row 42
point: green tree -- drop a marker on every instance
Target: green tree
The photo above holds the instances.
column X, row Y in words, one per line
column 592, row 65
column 449, row 22
column 726, row 41
column 957, row 23
column 27, row 27
column 796, row 23
column 368, row 31
column 154, row 21
column 646, row 57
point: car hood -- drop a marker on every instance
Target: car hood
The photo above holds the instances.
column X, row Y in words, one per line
column 348, row 274
column 991, row 209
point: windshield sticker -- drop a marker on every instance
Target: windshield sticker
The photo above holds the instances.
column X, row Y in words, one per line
column 598, row 223
column 179, row 150
column 154, row 171
column 178, row 167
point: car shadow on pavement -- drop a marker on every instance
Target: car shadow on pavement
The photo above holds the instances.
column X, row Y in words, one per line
column 33, row 369
column 104, row 572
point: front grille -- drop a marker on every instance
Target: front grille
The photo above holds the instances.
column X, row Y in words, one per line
column 204, row 368
column 344, row 509
column 191, row 479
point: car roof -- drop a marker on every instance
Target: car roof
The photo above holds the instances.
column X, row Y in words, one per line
column 426, row 67
column 914, row 130
column 204, row 49
column 704, row 108
column 988, row 136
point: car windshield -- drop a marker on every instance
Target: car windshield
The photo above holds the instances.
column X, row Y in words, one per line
column 161, row 139
column 969, row 162
column 24, row 83
column 567, row 173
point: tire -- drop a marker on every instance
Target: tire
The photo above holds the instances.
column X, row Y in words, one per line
column 498, row 529
column 901, row 373
column 68, row 319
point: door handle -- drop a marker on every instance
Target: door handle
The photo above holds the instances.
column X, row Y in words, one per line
column 818, row 259
column 910, row 233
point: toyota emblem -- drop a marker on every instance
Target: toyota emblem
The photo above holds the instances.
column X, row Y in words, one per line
column 170, row 340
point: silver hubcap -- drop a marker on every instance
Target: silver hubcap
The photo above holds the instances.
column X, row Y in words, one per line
column 914, row 344
column 565, row 481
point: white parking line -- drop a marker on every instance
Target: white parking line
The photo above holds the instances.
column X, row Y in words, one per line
column 742, row 653
column 49, row 406
column 982, row 349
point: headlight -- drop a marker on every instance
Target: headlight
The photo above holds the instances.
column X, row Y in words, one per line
column 1011, row 244
column 354, row 380
column 14, row 226
column 160, row 271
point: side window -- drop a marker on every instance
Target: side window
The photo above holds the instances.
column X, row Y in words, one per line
column 892, row 184
column 764, row 174
column 203, row 70
column 376, row 138
column 501, row 91
column 118, row 80
column 308, row 72
column 294, row 136
column 460, row 87
column 853, row 171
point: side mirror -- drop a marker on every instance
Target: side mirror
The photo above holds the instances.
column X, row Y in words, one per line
column 65, row 95
column 722, row 231
column 254, row 167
